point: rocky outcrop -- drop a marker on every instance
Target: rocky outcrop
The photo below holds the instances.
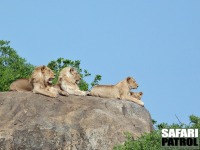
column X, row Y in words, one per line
column 32, row 121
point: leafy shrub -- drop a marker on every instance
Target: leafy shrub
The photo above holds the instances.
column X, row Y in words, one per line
column 152, row 141
column 12, row 66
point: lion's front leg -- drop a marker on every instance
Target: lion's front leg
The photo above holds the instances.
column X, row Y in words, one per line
column 78, row 92
column 130, row 98
column 83, row 93
column 64, row 93
column 60, row 91
column 47, row 92
column 73, row 90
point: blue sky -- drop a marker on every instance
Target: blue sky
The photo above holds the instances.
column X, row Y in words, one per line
column 156, row 42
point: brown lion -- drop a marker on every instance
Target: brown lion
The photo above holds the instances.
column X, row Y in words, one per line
column 119, row 91
column 68, row 81
column 40, row 82
column 137, row 95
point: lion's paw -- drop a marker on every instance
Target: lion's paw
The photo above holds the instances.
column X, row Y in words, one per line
column 141, row 103
column 87, row 92
column 54, row 95
column 64, row 93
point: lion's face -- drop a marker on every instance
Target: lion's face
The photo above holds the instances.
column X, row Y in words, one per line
column 75, row 74
column 70, row 75
column 137, row 95
column 132, row 83
column 48, row 74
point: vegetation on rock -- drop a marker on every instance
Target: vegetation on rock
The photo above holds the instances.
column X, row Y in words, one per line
column 12, row 66
column 152, row 141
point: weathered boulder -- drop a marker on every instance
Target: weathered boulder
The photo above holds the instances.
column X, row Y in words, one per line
column 32, row 121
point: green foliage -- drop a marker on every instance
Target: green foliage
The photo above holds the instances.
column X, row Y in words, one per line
column 61, row 63
column 147, row 141
column 154, row 121
column 152, row 141
column 195, row 121
column 96, row 80
column 12, row 66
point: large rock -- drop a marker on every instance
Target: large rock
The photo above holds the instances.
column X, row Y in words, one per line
column 32, row 121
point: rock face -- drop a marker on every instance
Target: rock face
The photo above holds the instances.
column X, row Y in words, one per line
column 32, row 121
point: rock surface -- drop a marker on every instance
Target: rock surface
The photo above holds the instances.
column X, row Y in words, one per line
column 32, row 121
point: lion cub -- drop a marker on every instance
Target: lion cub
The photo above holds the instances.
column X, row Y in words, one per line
column 68, row 81
column 119, row 91
column 137, row 95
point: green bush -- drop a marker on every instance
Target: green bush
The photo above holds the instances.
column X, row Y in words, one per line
column 12, row 66
column 152, row 141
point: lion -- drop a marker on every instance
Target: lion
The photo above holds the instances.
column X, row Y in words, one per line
column 119, row 91
column 68, row 81
column 40, row 83
column 137, row 95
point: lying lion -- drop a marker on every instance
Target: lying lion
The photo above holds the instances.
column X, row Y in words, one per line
column 137, row 95
column 119, row 91
column 68, row 81
column 40, row 82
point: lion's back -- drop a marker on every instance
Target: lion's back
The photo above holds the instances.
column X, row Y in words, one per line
column 21, row 85
column 105, row 91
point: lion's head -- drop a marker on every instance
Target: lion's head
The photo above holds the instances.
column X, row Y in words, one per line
column 137, row 95
column 44, row 74
column 70, row 74
column 131, row 83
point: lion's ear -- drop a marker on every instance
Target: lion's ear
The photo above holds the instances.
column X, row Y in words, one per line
column 43, row 67
column 71, row 70
column 128, row 79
